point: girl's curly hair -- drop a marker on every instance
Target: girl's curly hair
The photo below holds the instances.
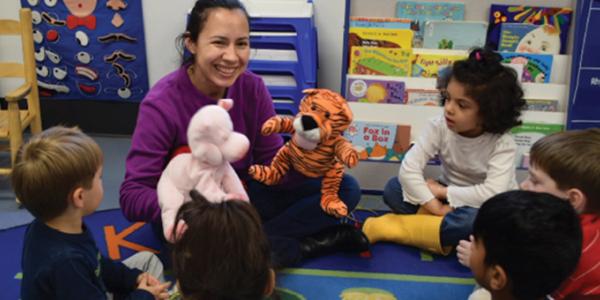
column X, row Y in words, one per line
column 494, row 86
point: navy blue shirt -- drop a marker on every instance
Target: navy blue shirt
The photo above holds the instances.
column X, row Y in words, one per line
column 59, row 265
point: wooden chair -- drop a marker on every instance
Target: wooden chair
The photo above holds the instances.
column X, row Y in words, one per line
column 14, row 120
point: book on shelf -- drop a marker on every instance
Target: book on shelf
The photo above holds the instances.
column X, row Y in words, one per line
column 420, row 12
column 428, row 63
column 522, row 37
column 380, row 61
column 380, row 37
column 379, row 141
column 526, row 135
column 542, row 105
column 375, row 90
column 536, row 67
column 461, row 35
column 557, row 17
column 377, row 22
column 424, row 97
column 518, row 69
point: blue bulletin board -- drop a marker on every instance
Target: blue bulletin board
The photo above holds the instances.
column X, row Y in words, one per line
column 584, row 102
column 89, row 49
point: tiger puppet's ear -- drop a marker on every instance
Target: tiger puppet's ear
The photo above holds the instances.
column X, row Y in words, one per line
column 340, row 105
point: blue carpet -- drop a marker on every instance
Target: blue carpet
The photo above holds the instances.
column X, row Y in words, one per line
column 396, row 271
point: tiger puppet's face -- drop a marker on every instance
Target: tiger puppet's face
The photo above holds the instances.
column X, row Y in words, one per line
column 323, row 116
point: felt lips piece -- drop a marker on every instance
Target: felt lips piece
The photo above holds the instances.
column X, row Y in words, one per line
column 88, row 89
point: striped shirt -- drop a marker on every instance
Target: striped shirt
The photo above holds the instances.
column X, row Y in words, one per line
column 584, row 283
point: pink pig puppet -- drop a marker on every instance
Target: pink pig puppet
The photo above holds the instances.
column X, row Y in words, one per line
column 214, row 145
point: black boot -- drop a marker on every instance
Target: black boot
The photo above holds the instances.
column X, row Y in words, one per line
column 338, row 238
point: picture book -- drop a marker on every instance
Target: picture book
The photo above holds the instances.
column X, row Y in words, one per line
column 462, row 35
column 559, row 18
column 420, row 12
column 526, row 135
column 518, row 68
column 529, row 38
column 375, row 90
column 375, row 22
column 542, row 105
column 536, row 67
column 380, row 37
column 428, row 63
column 379, row 141
column 380, row 61
column 422, row 97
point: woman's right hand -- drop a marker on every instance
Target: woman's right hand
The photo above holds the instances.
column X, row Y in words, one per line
column 436, row 207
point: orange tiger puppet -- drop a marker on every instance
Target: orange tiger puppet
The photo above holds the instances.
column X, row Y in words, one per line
column 317, row 147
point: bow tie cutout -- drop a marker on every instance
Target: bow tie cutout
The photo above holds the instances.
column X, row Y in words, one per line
column 89, row 22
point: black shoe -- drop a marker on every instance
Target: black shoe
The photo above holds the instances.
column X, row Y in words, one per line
column 339, row 238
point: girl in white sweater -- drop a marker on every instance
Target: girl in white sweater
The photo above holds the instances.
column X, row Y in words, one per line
column 482, row 102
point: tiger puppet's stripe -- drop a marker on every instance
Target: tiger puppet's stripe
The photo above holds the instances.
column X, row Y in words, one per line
column 317, row 147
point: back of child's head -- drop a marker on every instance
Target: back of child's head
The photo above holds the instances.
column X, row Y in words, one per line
column 50, row 166
column 572, row 160
column 224, row 253
column 534, row 237
column 492, row 85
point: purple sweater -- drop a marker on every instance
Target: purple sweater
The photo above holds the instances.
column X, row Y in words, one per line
column 161, row 128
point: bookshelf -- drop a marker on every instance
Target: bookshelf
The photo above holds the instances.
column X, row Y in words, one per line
column 373, row 175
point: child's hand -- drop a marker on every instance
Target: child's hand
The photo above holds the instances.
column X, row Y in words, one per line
column 153, row 286
column 463, row 251
column 439, row 191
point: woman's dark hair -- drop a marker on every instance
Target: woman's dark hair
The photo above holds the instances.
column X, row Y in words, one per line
column 494, row 86
column 535, row 237
column 224, row 254
column 196, row 20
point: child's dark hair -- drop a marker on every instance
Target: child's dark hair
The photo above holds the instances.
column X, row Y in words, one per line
column 224, row 253
column 51, row 166
column 494, row 86
column 572, row 160
column 197, row 18
column 534, row 237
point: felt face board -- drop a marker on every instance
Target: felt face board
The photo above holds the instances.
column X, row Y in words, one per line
column 89, row 49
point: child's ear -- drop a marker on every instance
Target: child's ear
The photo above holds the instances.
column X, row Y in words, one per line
column 270, row 283
column 497, row 278
column 577, row 199
column 76, row 197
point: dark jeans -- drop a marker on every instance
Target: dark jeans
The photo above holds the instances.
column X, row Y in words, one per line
column 456, row 225
column 288, row 214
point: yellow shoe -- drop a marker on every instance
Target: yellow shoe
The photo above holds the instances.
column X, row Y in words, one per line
column 422, row 231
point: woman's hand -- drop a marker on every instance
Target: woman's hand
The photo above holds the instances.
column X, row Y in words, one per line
column 436, row 207
column 438, row 190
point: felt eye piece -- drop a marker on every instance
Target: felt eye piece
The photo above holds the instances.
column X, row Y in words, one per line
column 59, row 73
column 84, row 57
column 42, row 71
column 82, row 38
column 38, row 37
column 36, row 17
column 50, row 3
column 32, row 2
column 40, row 55
column 124, row 92
column 53, row 57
